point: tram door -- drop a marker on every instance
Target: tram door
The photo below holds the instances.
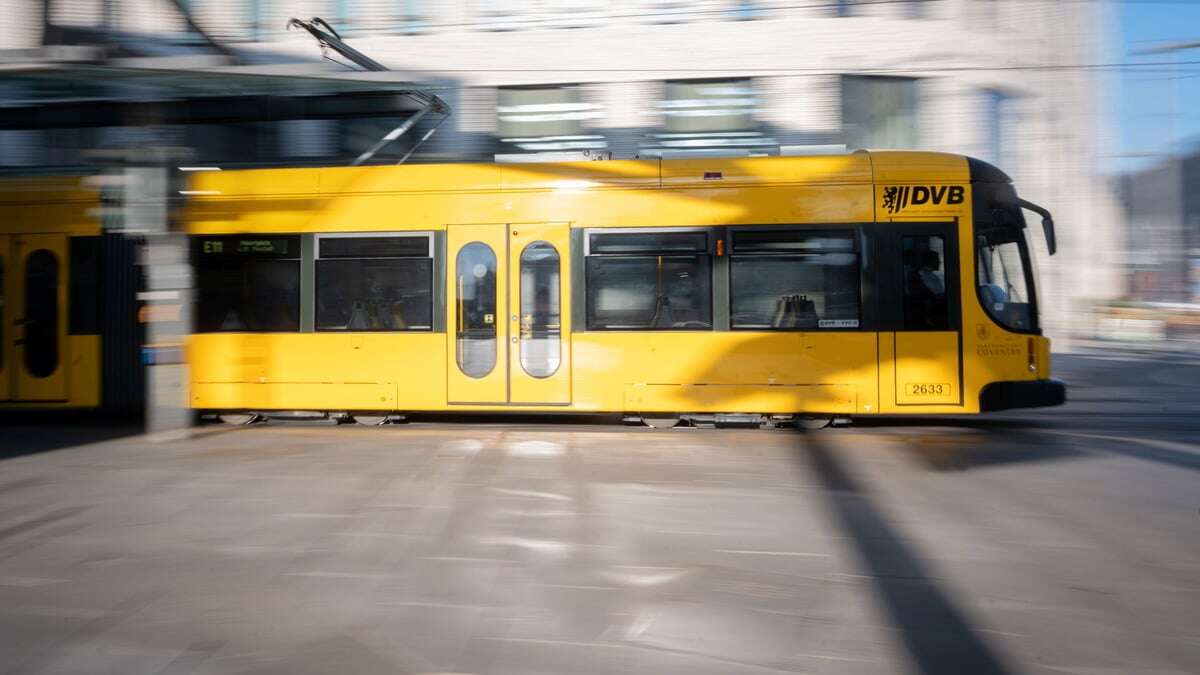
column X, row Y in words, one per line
column 927, row 313
column 35, row 313
column 508, row 314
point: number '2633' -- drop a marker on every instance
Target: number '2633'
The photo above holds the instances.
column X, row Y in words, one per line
column 927, row 389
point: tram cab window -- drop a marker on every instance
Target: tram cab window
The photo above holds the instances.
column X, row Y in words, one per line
column 925, row 304
column 649, row 281
column 793, row 280
column 247, row 283
column 374, row 283
column 1003, row 277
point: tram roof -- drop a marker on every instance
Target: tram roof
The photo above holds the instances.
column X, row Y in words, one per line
column 856, row 168
column 861, row 167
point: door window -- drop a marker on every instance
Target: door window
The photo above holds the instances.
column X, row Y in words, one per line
column 541, row 319
column 41, row 313
column 475, row 313
column 925, row 304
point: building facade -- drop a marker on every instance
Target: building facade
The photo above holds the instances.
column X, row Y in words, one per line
column 1007, row 81
column 1162, row 210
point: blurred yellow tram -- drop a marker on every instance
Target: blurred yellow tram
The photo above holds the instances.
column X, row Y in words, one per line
column 828, row 286
column 69, row 335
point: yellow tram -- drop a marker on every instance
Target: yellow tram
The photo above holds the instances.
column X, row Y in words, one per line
column 68, row 328
column 824, row 286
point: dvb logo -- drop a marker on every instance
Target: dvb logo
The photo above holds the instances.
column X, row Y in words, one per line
column 895, row 198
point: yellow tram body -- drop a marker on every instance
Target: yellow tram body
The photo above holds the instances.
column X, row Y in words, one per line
column 852, row 366
column 57, row 362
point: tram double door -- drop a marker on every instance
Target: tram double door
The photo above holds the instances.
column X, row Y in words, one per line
column 508, row 314
column 33, row 317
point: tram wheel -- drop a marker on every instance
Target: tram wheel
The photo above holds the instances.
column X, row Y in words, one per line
column 662, row 421
column 813, row 423
column 238, row 419
column 370, row 420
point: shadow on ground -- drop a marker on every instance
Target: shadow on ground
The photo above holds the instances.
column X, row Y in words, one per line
column 30, row 433
column 937, row 634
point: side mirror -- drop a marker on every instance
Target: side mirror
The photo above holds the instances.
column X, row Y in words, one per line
column 1051, row 238
column 1047, row 224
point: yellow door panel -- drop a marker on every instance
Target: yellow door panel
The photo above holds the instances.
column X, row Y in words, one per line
column 539, row 323
column 477, row 341
column 927, row 368
column 6, row 318
column 40, row 325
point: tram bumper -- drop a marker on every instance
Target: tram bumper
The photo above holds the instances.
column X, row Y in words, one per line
column 1022, row 394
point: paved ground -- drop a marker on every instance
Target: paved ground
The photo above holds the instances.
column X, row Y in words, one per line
column 1066, row 541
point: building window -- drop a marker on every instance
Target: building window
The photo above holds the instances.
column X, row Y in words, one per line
column 649, row 281
column 916, row 9
column 879, row 112
column 307, row 138
column 501, row 15
column 413, row 17
column 797, row 280
column 374, row 283
column 746, row 10
column 541, row 119
column 247, row 284
column 704, row 116
column 256, row 19
column 997, row 124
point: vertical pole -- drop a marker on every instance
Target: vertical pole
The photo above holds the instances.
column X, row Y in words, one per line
column 165, row 302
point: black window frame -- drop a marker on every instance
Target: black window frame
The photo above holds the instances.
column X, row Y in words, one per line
column 712, row 235
column 863, row 250
column 429, row 254
column 994, row 209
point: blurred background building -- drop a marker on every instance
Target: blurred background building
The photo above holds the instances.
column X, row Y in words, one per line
column 1010, row 82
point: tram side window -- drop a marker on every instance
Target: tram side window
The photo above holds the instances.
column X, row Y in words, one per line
column 791, row 280
column 247, row 283
column 375, row 283
column 925, row 305
column 649, row 281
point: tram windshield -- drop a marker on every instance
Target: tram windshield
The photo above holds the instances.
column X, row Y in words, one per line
column 1004, row 273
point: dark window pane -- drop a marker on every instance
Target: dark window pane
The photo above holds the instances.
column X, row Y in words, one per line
column 475, row 314
column 247, row 294
column 365, row 295
column 541, row 321
column 925, row 305
column 649, row 293
column 787, row 241
column 84, row 303
column 41, row 313
column 818, row 288
column 374, row 247
column 248, row 246
column 643, row 242
column 1003, row 279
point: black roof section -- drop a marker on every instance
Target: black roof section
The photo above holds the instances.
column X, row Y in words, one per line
column 984, row 172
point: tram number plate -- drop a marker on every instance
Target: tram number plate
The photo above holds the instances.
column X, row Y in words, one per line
column 926, row 389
